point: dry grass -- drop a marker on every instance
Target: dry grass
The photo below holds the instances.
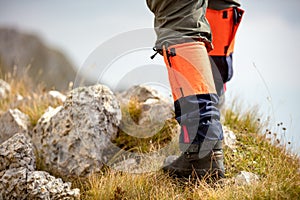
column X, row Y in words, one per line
column 34, row 100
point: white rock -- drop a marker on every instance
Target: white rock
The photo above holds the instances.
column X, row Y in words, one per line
column 41, row 185
column 57, row 95
column 12, row 122
column 170, row 159
column 19, row 97
column 18, row 177
column 17, row 152
column 14, row 183
column 229, row 138
column 138, row 163
column 126, row 165
column 4, row 89
column 49, row 113
column 142, row 93
column 21, row 183
column 246, row 178
column 74, row 140
column 154, row 111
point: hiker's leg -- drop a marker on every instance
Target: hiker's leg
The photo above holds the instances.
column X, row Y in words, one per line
column 224, row 17
column 182, row 34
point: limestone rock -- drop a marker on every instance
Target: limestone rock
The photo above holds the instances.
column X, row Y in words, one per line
column 19, row 97
column 229, row 138
column 57, row 95
column 41, row 185
column 13, row 183
column 4, row 89
column 153, row 108
column 74, row 140
column 126, row 165
column 12, row 122
column 18, row 178
column 246, row 178
column 21, row 183
column 142, row 93
column 139, row 162
column 17, row 152
column 170, row 159
column 49, row 113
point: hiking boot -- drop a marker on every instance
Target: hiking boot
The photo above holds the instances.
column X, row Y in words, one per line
column 203, row 164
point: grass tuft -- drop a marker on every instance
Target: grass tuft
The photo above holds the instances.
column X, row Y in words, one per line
column 126, row 138
column 34, row 99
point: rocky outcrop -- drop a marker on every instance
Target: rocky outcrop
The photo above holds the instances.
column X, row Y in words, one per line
column 142, row 93
column 17, row 152
column 74, row 139
column 12, row 122
column 4, row 89
column 26, row 54
column 18, row 177
column 152, row 109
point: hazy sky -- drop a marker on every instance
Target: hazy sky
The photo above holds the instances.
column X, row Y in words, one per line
column 268, row 37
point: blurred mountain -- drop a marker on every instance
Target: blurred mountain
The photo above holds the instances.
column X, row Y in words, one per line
column 26, row 54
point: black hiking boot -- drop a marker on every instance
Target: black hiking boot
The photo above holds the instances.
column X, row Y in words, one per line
column 205, row 163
